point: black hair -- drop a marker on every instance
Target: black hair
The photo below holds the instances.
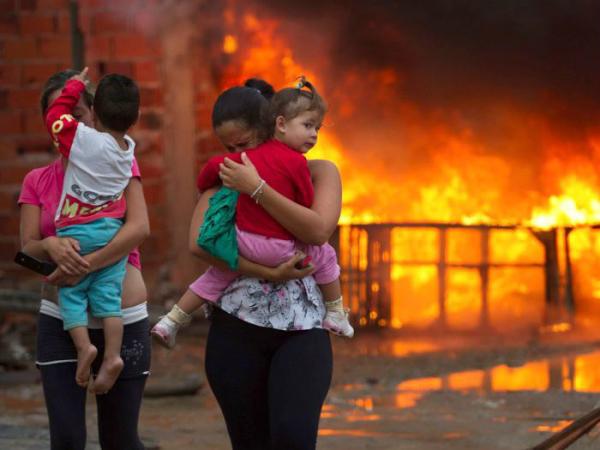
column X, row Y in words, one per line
column 262, row 86
column 247, row 103
column 117, row 102
column 290, row 102
column 57, row 82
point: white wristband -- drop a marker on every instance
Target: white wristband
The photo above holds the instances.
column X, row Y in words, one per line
column 258, row 189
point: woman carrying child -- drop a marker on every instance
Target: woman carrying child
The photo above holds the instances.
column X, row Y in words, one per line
column 56, row 356
column 294, row 119
column 269, row 378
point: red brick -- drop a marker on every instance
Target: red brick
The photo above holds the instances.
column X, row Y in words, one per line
column 34, row 24
column 9, row 23
column 108, row 22
column 147, row 144
column 9, row 245
column 3, row 99
column 98, row 47
column 207, row 147
column 27, row 5
column 145, row 20
column 154, row 248
column 8, row 6
column 10, row 122
column 58, row 47
column 146, row 72
column 124, row 68
column 149, row 120
column 22, row 48
column 9, row 223
column 8, row 200
column 23, row 98
column 154, row 193
column 127, row 46
column 13, row 175
column 151, row 97
column 53, row 4
column 8, row 149
column 63, row 22
column 151, row 166
column 32, row 122
column 37, row 73
column 203, row 119
column 34, row 145
column 10, row 74
column 92, row 5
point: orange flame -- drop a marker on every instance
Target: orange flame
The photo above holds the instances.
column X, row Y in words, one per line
column 457, row 181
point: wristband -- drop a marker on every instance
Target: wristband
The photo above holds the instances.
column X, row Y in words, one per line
column 258, row 191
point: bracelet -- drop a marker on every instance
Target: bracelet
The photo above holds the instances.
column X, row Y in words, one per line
column 258, row 191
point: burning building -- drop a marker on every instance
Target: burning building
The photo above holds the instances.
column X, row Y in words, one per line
column 466, row 134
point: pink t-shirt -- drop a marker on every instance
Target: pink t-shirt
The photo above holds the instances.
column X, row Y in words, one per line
column 43, row 187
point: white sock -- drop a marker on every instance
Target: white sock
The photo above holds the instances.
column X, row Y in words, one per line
column 335, row 305
column 179, row 316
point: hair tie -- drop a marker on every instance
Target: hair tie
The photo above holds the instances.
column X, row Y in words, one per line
column 301, row 83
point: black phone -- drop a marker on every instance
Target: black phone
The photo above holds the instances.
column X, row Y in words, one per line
column 42, row 267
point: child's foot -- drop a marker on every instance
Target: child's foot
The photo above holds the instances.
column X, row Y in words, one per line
column 165, row 332
column 108, row 374
column 85, row 358
column 337, row 322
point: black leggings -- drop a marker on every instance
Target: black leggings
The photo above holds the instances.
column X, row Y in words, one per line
column 270, row 384
column 118, row 410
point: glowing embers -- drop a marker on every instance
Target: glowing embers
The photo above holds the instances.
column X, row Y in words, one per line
column 442, row 275
column 557, row 426
column 230, row 44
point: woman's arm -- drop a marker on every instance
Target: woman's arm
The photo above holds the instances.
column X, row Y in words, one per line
column 133, row 232
column 311, row 226
column 63, row 251
column 283, row 272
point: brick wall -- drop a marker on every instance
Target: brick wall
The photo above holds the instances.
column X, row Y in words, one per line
column 129, row 38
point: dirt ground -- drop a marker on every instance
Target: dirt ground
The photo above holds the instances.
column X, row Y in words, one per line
column 389, row 391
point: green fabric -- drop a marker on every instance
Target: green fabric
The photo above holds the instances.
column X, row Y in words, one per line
column 217, row 234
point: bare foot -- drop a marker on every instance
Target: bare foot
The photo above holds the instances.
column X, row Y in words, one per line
column 108, row 374
column 85, row 358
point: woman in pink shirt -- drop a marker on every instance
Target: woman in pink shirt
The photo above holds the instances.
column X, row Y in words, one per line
column 118, row 409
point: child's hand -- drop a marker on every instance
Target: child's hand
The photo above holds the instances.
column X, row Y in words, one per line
column 82, row 76
column 241, row 177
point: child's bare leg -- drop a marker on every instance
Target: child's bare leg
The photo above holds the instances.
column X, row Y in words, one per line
column 86, row 353
column 331, row 291
column 190, row 302
column 112, row 363
column 165, row 331
column 336, row 318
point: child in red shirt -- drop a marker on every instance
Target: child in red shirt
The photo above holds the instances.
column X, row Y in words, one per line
column 295, row 116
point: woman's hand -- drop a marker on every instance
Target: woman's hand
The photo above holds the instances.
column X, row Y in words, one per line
column 60, row 278
column 241, row 177
column 288, row 271
column 65, row 253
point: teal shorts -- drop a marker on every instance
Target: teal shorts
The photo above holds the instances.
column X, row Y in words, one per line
column 100, row 291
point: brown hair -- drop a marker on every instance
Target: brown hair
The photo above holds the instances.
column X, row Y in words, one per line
column 290, row 102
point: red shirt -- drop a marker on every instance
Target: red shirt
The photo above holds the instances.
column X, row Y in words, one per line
column 283, row 168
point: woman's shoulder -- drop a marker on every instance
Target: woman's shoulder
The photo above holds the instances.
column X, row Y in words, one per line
column 322, row 168
column 43, row 175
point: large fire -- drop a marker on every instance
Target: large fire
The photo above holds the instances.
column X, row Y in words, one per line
column 410, row 164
